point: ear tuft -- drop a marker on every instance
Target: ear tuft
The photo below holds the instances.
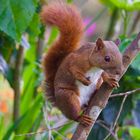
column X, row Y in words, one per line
column 99, row 44
column 117, row 42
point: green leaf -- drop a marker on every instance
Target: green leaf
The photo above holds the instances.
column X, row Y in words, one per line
column 7, row 46
column 136, row 63
column 108, row 3
column 35, row 25
column 15, row 16
column 53, row 35
column 36, row 125
column 12, row 128
column 29, row 79
column 127, row 4
column 69, row 1
column 123, row 4
column 135, row 133
column 2, row 126
column 125, row 42
column 31, row 115
column 63, row 131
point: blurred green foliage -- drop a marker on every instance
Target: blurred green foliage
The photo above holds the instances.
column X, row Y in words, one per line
column 130, row 5
column 135, row 133
column 10, row 13
column 20, row 19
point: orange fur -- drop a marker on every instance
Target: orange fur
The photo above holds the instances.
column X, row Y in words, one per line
column 70, row 25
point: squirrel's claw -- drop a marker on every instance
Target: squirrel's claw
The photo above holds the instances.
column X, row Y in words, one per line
column 85, row 120
column 113, row 83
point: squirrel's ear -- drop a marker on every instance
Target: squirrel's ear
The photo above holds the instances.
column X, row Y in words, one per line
column 117, row 42
column 99, row 44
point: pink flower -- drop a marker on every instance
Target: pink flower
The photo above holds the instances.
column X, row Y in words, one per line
column 91, row 29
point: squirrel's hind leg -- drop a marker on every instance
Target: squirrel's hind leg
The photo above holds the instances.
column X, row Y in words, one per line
column 68, row 102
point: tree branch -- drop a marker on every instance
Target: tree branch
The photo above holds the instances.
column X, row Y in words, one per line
column 43, row 130
column 108, row 129
column 126, row 93
column 117, row 118
column 100, row 99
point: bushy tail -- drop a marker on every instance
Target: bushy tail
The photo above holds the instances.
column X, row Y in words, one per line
column 70, row 24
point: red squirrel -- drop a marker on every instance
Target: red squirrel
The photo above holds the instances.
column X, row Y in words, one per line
column 73, row 73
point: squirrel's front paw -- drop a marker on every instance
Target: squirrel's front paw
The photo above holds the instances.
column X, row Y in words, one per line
column 112, row 81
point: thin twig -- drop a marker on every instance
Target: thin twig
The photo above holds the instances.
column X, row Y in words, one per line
column 117, row 118
column 120, row 110
column 105, row 127
column 47, row 122
column 64, row 138
column 32, row 133
column 126, row 93
column 45, row 112
column 44, row 130
column 48, row 127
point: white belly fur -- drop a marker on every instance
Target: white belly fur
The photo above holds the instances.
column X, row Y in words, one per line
column 87, row 91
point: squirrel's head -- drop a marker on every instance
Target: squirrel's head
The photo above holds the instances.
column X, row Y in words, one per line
column 106, row 55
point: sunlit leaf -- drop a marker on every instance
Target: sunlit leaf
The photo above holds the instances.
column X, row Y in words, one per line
column 35, row 25
column 53, row 35
column 135, row 133
column 129, row 5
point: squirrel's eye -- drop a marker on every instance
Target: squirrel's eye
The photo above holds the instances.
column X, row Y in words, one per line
column 107, row 58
